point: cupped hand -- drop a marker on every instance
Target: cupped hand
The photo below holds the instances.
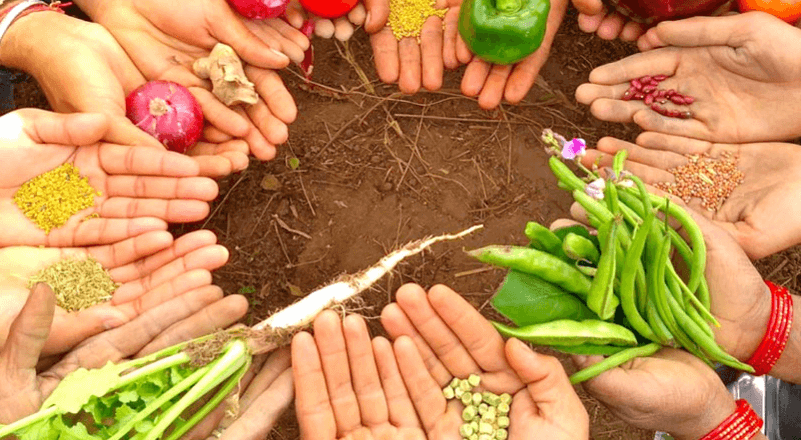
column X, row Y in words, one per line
column 151, row 269
column 193, row 314
column 493, row 83
column 164, row 38
column 743, row 71
column 607, row 24
column 439, row 335
column 671, row 391
column 142, row 187
column 340, row 28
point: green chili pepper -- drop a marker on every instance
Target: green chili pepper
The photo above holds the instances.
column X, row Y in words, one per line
column 613, row 361
column 538, row 263
column 577, row 247
column 569, row 333
column 543, row 239
column 628, row 277
column 602, row 299
column 503, row 31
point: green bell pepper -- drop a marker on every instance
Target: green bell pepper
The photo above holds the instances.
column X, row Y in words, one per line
column 503, row 31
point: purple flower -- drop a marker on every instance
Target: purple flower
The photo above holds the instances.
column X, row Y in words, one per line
column 596, row 189
column 574, row 148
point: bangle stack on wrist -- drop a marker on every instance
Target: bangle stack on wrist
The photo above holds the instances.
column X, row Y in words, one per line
column 742, row 425
column 778, row 332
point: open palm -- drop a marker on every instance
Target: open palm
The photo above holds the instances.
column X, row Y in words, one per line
column 756, row 213
column 150, row 268
column 743, row 70
column 141, row 186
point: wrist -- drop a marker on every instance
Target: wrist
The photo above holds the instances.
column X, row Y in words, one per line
column 774, row 340
column 21, row 44
column 718, row 410
column 742, row 424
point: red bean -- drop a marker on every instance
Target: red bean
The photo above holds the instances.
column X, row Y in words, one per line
column 686, row 115
column 670, row 93
column 677, row 99
column 628, row 95
column 688, row 100
column 648, row 89
column 649, row 99
column 639, row 95
column 660, row 78
column 659, row 109
column 663, row 101
column 645, row 79
column 636, row 84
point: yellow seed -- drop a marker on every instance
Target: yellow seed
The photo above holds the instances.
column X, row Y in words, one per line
column 407, row 17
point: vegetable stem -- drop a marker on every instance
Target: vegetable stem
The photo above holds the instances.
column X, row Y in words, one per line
column 28, row 421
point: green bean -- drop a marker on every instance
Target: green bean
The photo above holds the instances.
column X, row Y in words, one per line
column 703, row 294
column 544, row 239
column 628, row 278
column 673, row 285
column 657, row 325
column 566, row 332
column 564, row 175
column 589, row 349
column 593, row 207
column 601, row 298
column 613, row 361
column 538, row 263
column 693, row 301
column 577, row 247
column 612, row 202
column 658, row 289
column 590, row 271
column 698, row 263
column 688, row 343
column 619, row 161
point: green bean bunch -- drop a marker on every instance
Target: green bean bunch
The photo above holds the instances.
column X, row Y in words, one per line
column 485, row 415
column 624, row 275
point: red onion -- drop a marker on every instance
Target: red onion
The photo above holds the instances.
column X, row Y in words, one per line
column 168, row 112
column 260, row 9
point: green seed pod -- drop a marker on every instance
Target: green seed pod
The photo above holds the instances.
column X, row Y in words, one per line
column 466, row 430
column 503, row 422
column 474, row 380
column 448, row 393
column 503, row 408
column 506, row 398
column 454, row 382
column 467, row 399
column 501, row 434
column 485, row 428
column 469, row 413
column 476, row 399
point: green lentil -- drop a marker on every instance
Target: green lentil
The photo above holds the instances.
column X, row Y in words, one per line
column 77, row 284
column 50, row 199
column 407, row 17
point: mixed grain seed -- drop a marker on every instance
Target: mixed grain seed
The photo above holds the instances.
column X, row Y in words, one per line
column 705, row 178
column 647, row 89
column 485, row 415
column 50, row 199
column 407, row 17
column 77, row 283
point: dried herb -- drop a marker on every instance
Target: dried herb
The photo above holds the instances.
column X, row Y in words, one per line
column 78, row 284
column 50, row 199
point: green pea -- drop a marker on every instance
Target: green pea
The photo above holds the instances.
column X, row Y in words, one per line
column 467, row 398
column 501, row 434
column 469, row 413
column 448, row 393
column 466, row 430
column 503, row 422
column 474, row 380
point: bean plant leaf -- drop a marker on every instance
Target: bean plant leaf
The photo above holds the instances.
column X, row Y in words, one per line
column 527, row 299
column 79, row 386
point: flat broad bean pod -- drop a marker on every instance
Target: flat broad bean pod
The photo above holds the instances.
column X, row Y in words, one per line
column 567, row 333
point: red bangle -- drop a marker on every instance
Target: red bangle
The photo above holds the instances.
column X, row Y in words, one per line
column 778, row 332
column 742, row 425
column 56, row 6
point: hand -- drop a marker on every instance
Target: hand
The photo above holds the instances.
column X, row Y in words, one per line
column 493, row 83
column 141, row 186
column 453, row 339
column 671, row 391
column 150, row 268
column 743, row 70
column 753, row 213
column 164, row 38
column 409, row 63
column 22, row 391
column 340, row 28
column 608, row 25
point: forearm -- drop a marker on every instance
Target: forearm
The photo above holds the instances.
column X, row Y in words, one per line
column 26, row 41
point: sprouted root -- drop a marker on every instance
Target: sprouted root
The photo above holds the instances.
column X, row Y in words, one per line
column 50, row 199
column 77, row 283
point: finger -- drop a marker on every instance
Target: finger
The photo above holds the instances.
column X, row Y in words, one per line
column 377, row 15
column 544, row 376
column 334, row 358
column 424, row 391
column 139, row 305
column 274, row 93
column 615, row 110
column 227, row 28
column 449, row 33
column 674, row 144
column 492, row 93
column 256, row 139
column 410, row 65
column 579, row 214
column 76, row 129
column 108, row 231
column 222, row 165
column 397, row 324
column 661, row 159
column 28, row 334
column 312, row 404
column 366, row 383
column 733, row 31
column 357, row 15
column 173, row 211
column 131, row 249
column 343, row 29
column 474, row 77
column 431, row 53
column 121, row 131
column 631, row 31
column 656, row 62
column 385, row 50
column 399, row 404
column 74, row 328
column 650, row 120
column 587, row 93
column 195, row 188
column 436, row 332
column 324, row 28
column 294, row 14
column 646, row 173
column 522, row 77
column 141, row 161
column 268, row 128
column 261, row 415
column 216, row 315
column 219, row 115
column 589, row 7
column 591, row 22
column 463, row 53
column 278, row 362
column 610, row 26
column 561, row 223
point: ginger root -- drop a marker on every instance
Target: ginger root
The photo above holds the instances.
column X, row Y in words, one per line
column 229, row 83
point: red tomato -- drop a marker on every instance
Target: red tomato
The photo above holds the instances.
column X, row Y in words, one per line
column 787, row 10
column 329, row 8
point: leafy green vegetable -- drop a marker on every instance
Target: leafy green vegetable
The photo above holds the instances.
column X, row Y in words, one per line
column 79, row 386
column 526, row 299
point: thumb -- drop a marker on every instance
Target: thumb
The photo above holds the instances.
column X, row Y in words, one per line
column 29, row 330
column 76, row 129
column 230, row 29
column 70, row 329
column 544, row 376
column 377, row 15
column 589, row 7
column 732, row 31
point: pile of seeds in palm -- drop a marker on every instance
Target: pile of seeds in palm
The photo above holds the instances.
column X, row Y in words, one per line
column 485, row 415
column 50, row 199
column 77, row 283
column 705, row 178
column 407, row 17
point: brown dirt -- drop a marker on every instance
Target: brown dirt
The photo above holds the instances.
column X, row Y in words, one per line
column 379, row 169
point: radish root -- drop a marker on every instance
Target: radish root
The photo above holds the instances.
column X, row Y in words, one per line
column 229, row 83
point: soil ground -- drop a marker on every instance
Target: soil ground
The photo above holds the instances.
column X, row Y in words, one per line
column 378, row 169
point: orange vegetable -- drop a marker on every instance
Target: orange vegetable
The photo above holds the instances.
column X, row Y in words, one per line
column 787, row 10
